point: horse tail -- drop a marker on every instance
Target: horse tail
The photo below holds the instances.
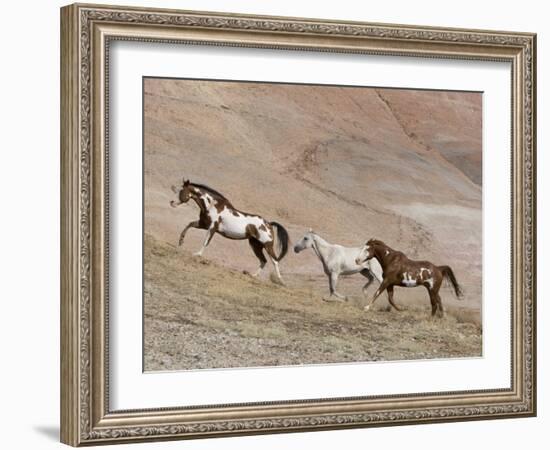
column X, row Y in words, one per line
column 282, row 240
column 450, row 276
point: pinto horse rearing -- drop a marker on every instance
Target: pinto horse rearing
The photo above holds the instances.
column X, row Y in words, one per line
column 217, row 215
column 398, row 270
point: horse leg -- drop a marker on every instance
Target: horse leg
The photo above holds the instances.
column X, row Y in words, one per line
column 380, row 289
column 208, row 238
column 333, row 282
column 271, row 253
column 370, row 278
column 257, row 247
column 440, row 311
column 390, row 298
column 194, row 224
column 277, row 271
column 433, row 301
column 439, row 305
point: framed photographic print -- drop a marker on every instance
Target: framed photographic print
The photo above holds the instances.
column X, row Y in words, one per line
column 274, row 224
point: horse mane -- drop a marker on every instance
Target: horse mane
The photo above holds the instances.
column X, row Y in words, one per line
column 376, row 241
column 381, row 243
column 212, row 191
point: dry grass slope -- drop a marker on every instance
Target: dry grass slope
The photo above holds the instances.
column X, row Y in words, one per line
column 199, row 314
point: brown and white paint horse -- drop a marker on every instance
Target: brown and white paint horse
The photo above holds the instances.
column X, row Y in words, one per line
column 217, row 215
column 398, row 270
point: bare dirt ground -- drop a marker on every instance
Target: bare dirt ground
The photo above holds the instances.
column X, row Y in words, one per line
column 201, row 315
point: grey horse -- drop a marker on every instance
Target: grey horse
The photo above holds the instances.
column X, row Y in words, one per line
column 338, row 260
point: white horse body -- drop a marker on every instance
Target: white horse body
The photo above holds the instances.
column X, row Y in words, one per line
column 339, row 260
column 233, row 224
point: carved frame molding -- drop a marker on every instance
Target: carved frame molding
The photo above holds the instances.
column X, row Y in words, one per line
column 86, row 31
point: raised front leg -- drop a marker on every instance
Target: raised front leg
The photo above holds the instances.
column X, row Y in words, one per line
column 380, row 289
column 194, row 224
column 207, row 239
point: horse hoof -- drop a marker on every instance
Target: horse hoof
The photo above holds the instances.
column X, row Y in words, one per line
column 366, row 308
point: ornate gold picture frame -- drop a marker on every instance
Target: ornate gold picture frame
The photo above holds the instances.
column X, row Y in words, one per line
column 87, row 32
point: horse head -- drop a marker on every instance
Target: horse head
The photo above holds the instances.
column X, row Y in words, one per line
column 305, row 242
column 367, row 252
column 183, row 192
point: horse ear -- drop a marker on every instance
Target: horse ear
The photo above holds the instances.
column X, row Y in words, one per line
column 185, row 182
column 311, row 230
